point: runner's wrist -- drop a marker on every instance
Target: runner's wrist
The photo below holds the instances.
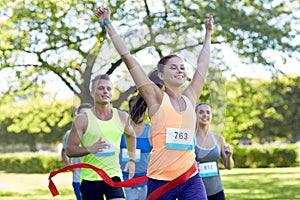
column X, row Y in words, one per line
column 105, row 22
column 132, row 160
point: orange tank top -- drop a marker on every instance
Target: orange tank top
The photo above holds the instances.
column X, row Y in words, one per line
column 171, row 155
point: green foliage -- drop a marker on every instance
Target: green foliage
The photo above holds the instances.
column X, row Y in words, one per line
column 284, row 156
column 30, row 162
column 262, row 156
column 262, row 110
column 34, row 120
column 64, row 38
column 258, row 156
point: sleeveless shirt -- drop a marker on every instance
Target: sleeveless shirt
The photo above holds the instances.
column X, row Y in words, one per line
column 213, row 184
column 165, row 163
column 144, row 147
column 110, row 131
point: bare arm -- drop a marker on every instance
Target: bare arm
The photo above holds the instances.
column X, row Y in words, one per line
column 79, row 126
column 130, row 138
column 63, row 154
column 194, row 90
column 150, row 92
column 64, row 157
column 226, row 154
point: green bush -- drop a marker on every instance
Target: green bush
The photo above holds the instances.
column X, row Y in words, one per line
column 258, row 156
column 284, row 157
column 244, row 157
column 27, row 162
column 240, row 157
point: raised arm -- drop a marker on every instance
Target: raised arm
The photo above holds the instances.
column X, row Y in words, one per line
column 146, row 87
column 194, row 90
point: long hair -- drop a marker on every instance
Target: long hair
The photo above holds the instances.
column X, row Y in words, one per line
column 139, row 105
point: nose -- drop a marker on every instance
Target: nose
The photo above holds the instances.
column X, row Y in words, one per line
column 105, row 90
column 179, row 70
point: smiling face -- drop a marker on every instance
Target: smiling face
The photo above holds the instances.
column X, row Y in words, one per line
column 173, row 71
column 204, row 114
column 102, row 91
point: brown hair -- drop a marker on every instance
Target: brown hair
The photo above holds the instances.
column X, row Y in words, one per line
column 200, row 104
column 139, row 107
column 163, row 61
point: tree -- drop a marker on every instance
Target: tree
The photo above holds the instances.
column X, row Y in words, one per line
column 64, row 37
column 281, row 115
column 35, row 120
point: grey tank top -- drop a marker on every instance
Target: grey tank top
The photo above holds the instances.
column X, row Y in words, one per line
column 212, row 184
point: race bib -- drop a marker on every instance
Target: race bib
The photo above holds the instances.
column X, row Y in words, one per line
column 125, row 156
column 108, row 151
column 208, row 169
column 181, row 139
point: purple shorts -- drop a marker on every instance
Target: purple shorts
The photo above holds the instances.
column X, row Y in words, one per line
column 192, row 189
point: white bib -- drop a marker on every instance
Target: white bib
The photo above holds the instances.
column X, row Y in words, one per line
column 208, row 169
column 181, row 139
column 108, row 151
column 125, row 156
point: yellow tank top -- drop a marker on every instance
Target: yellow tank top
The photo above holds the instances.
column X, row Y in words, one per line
column 167, row 162
column 111, row 132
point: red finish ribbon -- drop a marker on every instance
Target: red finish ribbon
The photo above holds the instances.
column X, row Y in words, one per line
column 175, row 182
column 100, row 172
column 127, row 183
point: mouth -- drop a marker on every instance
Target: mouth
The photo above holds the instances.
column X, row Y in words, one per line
column 105, row 97
column 204, row 119
column 179, row 76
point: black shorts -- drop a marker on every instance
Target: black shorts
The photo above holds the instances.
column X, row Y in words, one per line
column 218, row 196
column 95, row 190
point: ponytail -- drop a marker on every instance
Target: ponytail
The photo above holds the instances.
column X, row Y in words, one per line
column 139, row 104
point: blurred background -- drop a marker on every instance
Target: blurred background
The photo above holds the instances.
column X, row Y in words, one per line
column 50, row 50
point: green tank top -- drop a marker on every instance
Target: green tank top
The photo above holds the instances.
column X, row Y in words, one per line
column 108, row 160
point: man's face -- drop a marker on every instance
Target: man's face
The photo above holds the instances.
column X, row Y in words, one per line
column 102, row 92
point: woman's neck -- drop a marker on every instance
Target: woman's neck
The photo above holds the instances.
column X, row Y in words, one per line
column 203, row 129
column 174, row 93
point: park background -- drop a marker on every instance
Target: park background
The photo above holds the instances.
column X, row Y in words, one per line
column 51, row 50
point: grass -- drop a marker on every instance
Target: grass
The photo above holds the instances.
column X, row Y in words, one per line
column 240, row 184
column 268, row 183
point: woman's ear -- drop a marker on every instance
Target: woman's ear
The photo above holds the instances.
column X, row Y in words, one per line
column 92, row 93
column 160, row 76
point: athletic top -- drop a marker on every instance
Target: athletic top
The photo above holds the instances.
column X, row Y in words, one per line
column 107, row 160
column 172, row 140
column 143, row 149
column 213, row 184
column 74, row 160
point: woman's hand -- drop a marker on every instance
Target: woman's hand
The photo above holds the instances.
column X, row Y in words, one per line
column 228, row 150
column 102, row 14
column 209, row 23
